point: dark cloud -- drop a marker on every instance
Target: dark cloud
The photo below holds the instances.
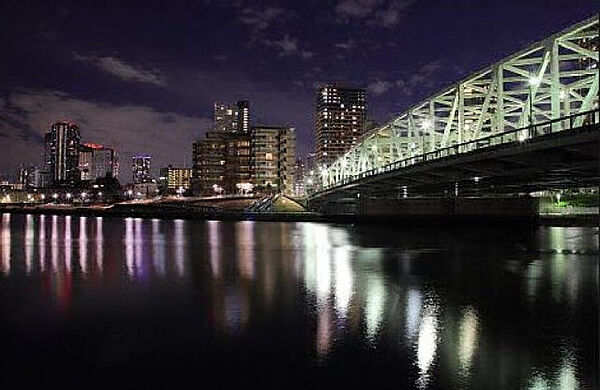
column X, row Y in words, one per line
column 376, row 13
column 288, row 46
column 261, row 18
column 423, row 78
column 125, row 71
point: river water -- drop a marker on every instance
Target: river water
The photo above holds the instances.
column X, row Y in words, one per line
column 147, row 302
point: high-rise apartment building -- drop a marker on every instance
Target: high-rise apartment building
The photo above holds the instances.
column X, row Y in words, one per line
column 273, row 152
column 141, row 168
column 286, row 160
column 176, row 178
column 96, row 161
column 232, row 118
column 61, row 155
column 221, row 163
column 339, row 120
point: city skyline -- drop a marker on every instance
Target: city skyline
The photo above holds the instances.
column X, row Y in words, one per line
column 123, row 94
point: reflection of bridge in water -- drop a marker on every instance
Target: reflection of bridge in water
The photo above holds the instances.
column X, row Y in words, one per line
column 529, row 122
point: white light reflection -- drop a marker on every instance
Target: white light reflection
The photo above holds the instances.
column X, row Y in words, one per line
column 68, row 243
column 324, row 333
column 427, row 341
column 317, row 276
column 179, row 246
column 413, row 312
column 245, row 242
column 467, row 341
column 564, row 378
column 320, row 261
column 343, row 279
column 158, row 248
column 375, row 305
column 28, row 242
column 539, row 383
column 214, row 239
column 42, row 242
column 137, row 246
column 6, row 243
column 54, row 243
column 129, row 245
column 83, row 244
column 99, row 244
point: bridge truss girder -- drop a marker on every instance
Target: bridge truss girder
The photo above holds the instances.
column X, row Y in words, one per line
column 551, row 79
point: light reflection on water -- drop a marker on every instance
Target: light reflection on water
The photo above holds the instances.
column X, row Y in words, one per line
column 450, row 307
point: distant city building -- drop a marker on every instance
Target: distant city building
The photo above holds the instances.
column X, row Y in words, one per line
column 272, row 159
column 141, row 168
column 299, row 178
column 23, row 178
column 232, row 118
column 311, row 173
column 339, row 120
column 175, row 178
column 221, row 164
column 96, row 161
column 41, row 178
column 145, row 190
column 61, row 155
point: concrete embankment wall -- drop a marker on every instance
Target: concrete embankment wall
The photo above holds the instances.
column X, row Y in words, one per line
column 522, row 207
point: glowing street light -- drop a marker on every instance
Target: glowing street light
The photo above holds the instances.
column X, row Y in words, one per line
column 426, row 127
column 68, row 195
column 533, row 81
column 427, row 124
column 55, row 196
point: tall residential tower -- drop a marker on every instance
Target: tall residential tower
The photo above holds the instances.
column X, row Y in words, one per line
column 339, row 120
column 141, row 168
column 232, row 118
column 61, row 155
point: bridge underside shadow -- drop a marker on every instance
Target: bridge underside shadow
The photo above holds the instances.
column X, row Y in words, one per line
column 548, row 162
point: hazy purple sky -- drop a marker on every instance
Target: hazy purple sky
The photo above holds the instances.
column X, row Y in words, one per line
column 142, row 77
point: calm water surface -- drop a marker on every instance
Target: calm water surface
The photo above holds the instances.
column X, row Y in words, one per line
column 137, row 302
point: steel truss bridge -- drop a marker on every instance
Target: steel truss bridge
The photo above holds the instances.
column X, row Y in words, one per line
column 526, row 123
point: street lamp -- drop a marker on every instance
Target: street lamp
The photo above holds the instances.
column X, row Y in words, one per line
column 425, row 127
column 533, row 82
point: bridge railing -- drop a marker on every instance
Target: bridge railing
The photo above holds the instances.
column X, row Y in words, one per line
column 517, row 136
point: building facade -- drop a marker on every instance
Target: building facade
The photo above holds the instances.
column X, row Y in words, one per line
column 232, row 118
column 299, row 178
column 141, row 168
column 221, row 164
column 272, row 159
column 61, row 154
column 96, row 161
column 339, row 121
column 176, row 178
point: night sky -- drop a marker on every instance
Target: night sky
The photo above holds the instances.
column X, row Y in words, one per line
column 142, row 77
